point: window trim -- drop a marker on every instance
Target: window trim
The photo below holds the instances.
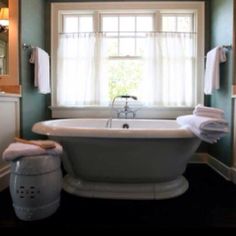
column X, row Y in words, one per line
column 106, row 7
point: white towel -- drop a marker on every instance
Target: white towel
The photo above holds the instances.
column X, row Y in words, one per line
column 17, row 150
column 204, row 123
column 212, row 72
column 209, row 137
column 207, row 129
column 212, row 112
column 40, row 59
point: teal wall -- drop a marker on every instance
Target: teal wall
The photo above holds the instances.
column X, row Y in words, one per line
column 33, row 105
column 35, row 30
column 222, row 34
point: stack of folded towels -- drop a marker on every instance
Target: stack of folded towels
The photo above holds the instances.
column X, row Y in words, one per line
column 207, row 123
column 24, row 148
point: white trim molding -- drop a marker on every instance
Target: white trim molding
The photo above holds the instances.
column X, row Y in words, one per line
column 104, row 112
column 229, row 173
column 4, row 177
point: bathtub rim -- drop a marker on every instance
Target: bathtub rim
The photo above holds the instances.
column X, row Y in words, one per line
column 44, row 128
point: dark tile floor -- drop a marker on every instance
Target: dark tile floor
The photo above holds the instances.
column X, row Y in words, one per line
column 210, row 202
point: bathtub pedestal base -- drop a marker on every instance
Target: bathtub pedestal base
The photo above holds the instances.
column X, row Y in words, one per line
column 163, row 190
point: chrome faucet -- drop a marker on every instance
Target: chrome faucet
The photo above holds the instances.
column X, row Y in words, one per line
column 125, row 110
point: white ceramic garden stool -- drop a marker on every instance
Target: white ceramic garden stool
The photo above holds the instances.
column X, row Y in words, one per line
column 35, row 186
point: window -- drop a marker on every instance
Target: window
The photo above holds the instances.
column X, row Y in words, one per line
column 152, row 51
column 125, row 35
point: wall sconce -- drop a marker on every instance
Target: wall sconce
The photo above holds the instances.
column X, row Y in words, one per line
column 4, row 19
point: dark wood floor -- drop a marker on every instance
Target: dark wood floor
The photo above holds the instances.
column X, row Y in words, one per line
column 210, row 202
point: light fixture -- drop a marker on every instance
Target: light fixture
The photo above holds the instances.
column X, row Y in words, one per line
column 4, row 19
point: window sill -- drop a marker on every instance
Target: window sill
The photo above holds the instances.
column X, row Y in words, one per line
column 104, row 112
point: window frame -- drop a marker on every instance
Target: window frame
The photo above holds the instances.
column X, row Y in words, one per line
column 196, row 8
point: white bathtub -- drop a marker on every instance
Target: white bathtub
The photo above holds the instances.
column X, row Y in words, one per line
column 145, row 161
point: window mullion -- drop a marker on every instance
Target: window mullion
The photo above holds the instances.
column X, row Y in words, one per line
column 96, row 22
column 176, row 24
column 135, row 36
column 78, row 18
column 157, row 21
column 118, row 43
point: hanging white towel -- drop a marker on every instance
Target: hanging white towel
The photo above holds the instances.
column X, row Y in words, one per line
column 212, row 72
column 40, row 59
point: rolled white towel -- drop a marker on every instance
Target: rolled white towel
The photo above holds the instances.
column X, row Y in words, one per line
column 212, row 112
column 206, row 128
column 17, row 150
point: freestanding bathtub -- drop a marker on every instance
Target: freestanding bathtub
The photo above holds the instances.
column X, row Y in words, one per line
column 134, row 159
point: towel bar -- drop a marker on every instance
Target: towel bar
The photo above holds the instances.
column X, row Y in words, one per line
column 27, row 46
column 227, row 46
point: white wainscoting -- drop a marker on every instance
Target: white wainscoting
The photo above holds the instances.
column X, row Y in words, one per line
column 9, row 128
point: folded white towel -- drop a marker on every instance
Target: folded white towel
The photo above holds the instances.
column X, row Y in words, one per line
column 211, row 115
column 212, row 112
column 206, row 128
column 204, row 123
column 212, row 72
column 40, row 59
column 17, row 150
column 207, row 136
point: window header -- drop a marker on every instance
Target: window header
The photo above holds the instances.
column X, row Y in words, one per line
column 136, row 7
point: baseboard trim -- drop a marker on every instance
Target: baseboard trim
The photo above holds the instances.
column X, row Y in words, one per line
column 4, row 177
column 199, row 158
column 233, row 175
column 226, row 172
column 229, row 173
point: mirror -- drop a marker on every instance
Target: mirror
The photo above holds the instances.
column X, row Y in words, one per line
column 4, row 39
column 12, row 67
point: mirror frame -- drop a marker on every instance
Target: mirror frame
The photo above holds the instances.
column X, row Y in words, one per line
column 12, row 78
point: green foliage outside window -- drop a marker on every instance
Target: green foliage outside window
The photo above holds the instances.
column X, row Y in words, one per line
column 124, row 77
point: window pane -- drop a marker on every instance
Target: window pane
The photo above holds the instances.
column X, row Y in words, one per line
column 124, row 77
column 70, row 24
column 109, row 23
column 127, row 47
column 112, row 47
column 144, row 23
column 184, row 24
column 85, row 24
column 169, row 23
column 127, row 23
column 178, row 23
column 140, row 44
